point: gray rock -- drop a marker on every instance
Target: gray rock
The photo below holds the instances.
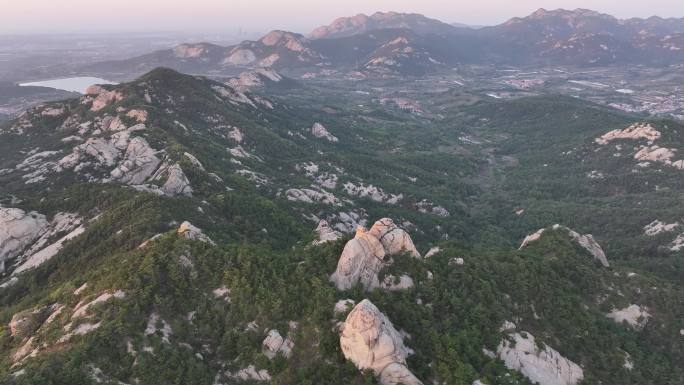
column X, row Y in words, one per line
column 18, row 231
column 370, row 341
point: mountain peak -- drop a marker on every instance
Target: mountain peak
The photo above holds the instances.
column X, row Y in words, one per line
column 194, row 50
column 163, row 74
column 348, row 26
column 560, row 12
column 277, row 37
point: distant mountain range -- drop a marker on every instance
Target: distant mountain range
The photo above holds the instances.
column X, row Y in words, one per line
column 412, row 44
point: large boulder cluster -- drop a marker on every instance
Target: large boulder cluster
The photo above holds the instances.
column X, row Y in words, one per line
column 370, row 341
column 541, row 364
column 27, row 239
column 18, row 229
column 364, row 256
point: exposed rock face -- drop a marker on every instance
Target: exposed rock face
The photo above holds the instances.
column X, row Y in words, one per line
column 190, row 50
column 656, row 227
column 364, row 256
column 427, row 207
column 393, row 238
column 240, row 57
column 42, row 256
column 103, row 97
column 81, row 309
column 655, row 154
column 195, row 162
column 24, row 323
column 140, row 162
column 634, row 132
column 152, row 328
column 312, row 196
column 274, row 343
column 187, row 230
column 256, row 78
column 344, row 305
column 361, row 260
column 392, row 283
column 370, row 341
column 375, row 193
column 236, row 135
column 251, row 373
column 587, row 242
column 18, row 230
column 326, row 233
column 139, row 115
column 678, row 243
column 649, row 152
column 433, row 251
column 545, row 366
column 176, row 181
column 319, row 131
column 635, row 315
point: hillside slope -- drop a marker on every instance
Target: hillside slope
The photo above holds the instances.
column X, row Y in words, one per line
column 175, row 229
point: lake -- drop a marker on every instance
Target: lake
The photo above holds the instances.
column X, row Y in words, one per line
column 75, row 84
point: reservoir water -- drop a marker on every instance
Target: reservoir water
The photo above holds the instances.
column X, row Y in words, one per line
column 75, row 84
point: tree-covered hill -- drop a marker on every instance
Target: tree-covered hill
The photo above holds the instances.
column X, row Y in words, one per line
column 128, row 293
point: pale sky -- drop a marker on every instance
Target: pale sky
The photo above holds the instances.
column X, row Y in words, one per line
column 40, row 16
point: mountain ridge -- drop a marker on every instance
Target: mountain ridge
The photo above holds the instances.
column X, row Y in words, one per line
column 554, row 38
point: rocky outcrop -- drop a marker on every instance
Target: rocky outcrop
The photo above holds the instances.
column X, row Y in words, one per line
column 36, row 259
column 103, row 97
column 634, row 315
column 24, row 323
column 175, row 181
column 428, row 207
column 194, row 161
column 343, row 306
column 139, row 115
column 27, row 237
column 392, row 283
column 433, row 251
column 82, row 307
column 369, row 191
column 319, row 131
column 360, row 262
column 370, row 341
column 250, row 373
column 18, row 230
column 636, row 131
column 649, row 152
column 586, row 241
column 326, row 233
column 393, row 238
column 542, row 365
column 140, row 162
column 307, row 195
column 257, row 78
column 364, row 256
column 188, row 231
column 275, row 344
column 656, row 227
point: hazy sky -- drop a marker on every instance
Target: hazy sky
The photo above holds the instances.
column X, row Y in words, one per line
column 26, row 16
